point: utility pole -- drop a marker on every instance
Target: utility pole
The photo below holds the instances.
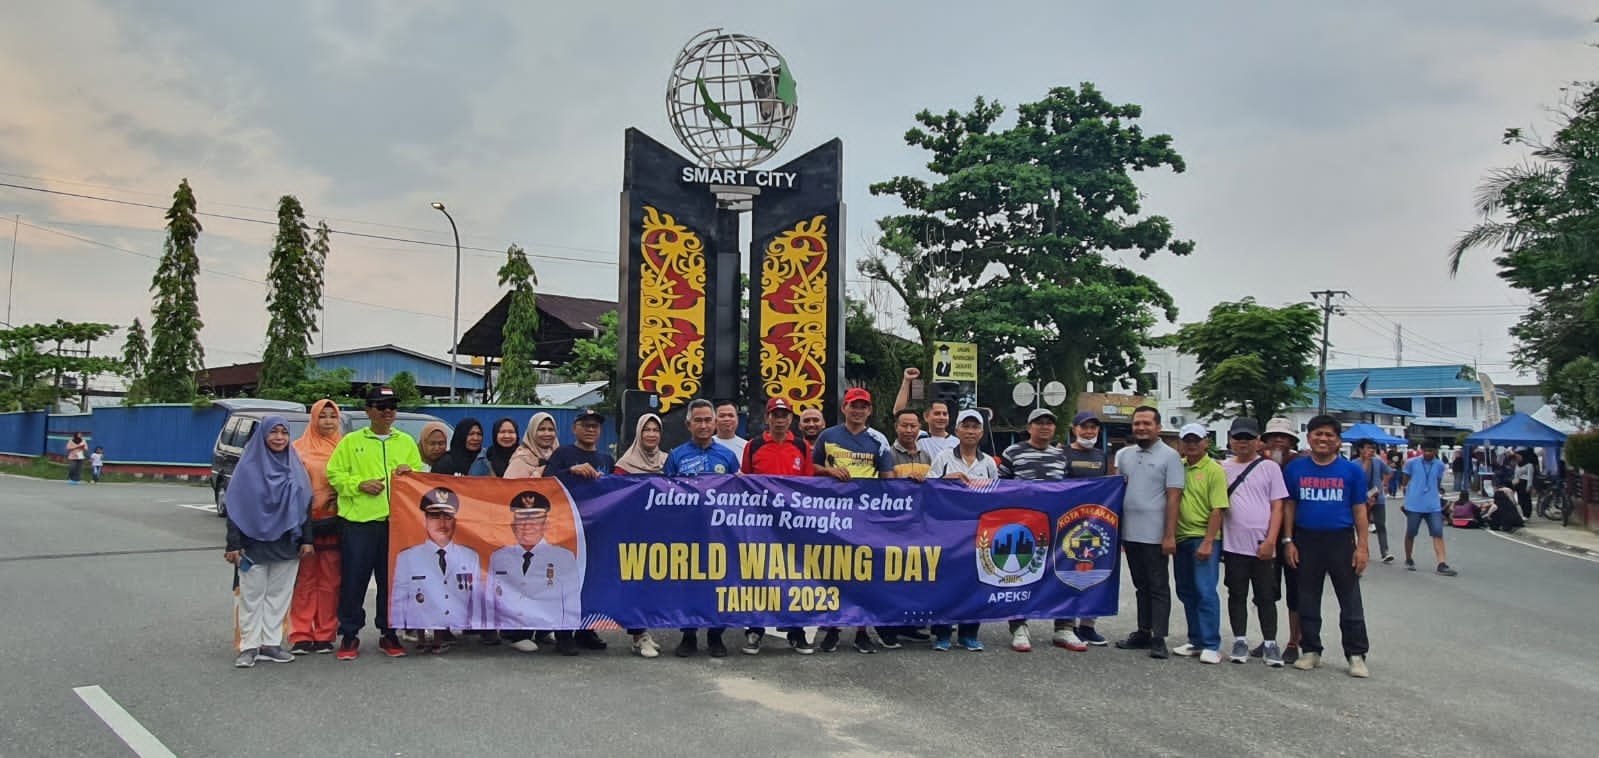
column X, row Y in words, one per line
column 1399, row 344
column 11, row 283
column 1327, row 309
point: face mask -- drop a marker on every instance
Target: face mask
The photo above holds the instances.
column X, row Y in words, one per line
column 1087, row 441
column 1277, row 456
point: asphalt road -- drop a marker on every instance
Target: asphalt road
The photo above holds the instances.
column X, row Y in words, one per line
column 119, row 586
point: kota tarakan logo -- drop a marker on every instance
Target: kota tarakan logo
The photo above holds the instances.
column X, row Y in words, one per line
column 1086, row 553
column 1012, row 547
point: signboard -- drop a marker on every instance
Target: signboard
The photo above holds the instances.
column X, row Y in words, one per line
column 1111, row 407
column 954, row 362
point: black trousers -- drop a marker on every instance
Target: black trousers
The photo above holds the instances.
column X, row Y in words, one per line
column 1243, row 572
column 363, row 554
column 1150, row 570
column 1327, row 555
column 1524, row 498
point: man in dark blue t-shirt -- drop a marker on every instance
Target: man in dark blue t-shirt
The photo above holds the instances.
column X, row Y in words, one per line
column 1324, row 523
column 580, row 460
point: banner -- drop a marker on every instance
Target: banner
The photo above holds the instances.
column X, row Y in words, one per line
column 659, row 552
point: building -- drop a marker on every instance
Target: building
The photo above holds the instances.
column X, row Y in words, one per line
column 371, row 365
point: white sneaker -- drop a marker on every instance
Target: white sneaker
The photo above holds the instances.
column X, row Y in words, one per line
column 1185, row 650
column 645, row 646
column 1210, row 656
column 1357, row 667
column 525, row 646
column 1308, row 661
column 1020, row 640
column 1067, row 638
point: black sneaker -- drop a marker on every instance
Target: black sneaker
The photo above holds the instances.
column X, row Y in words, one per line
column 713, row 643
column 829, row 643
column 1258, row 650
column 322, row 648
column 1290, row 654
column 302, row 648
column 863, row 643
column 798, row 643
column 1410, row 565
column 687, row 647
column 752, row 643
column 1157, row 648
column 889, row 638
column 1443, row 568
column 588, row 639
column 915, row 634
column 1134, row 641
column 567, row 646
column 544, row 638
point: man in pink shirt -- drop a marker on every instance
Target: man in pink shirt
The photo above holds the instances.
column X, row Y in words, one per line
column 1250, row 526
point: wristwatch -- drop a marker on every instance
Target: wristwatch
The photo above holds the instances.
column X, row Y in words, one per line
column 1287, row 540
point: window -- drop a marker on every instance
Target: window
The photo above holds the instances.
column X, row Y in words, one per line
column 1441, row 407
column 1402, row 403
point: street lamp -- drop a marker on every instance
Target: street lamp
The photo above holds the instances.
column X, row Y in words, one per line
column 455, row 322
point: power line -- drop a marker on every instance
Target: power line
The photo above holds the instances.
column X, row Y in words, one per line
column 363, row 235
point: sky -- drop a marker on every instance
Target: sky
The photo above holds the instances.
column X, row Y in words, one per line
column 1328, row 146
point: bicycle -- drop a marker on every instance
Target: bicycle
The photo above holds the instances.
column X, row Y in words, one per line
column 1554, row 503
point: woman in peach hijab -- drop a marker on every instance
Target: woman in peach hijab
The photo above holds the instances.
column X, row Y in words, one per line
column 313, row 619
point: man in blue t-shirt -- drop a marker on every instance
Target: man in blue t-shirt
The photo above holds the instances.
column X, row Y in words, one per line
column 1324, row 526
column 702, row 455
column 1424, row 482
column 848, row 451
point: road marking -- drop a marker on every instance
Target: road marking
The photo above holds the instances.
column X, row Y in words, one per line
column 1581, row 556
column 133, row 734
column 207, row 507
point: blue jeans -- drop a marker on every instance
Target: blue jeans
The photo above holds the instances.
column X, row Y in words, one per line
column 1196, row 588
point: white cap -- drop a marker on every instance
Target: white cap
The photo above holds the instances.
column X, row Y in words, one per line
column 968, row 414
column 1194, row 430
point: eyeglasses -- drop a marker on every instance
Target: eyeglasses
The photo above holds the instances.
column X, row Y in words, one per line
column 385, row 406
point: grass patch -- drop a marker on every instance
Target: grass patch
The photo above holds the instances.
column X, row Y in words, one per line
column 44, row 468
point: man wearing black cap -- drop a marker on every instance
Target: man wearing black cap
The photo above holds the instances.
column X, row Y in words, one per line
column 360, row 470
column 533, row 584
column 580, row 460
column 436, row 582
column 1251, row 526
column 1084, row 460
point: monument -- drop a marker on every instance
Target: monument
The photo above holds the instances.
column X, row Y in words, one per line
column 732, row 102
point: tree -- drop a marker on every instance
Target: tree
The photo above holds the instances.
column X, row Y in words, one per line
column 176, row 354
column 1254, row 361
column 875, row 359
column 293, row 297
column 1024, row 224
column 135, row 355
column 334, row 384
column 35, row 362
column 594, row 359
column 519, row 380
column 1543, row 216
column 405, row 390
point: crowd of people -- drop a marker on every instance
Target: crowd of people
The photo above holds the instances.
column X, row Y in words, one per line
column 307, row 522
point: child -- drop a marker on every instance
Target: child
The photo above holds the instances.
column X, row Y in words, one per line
column 96, row 462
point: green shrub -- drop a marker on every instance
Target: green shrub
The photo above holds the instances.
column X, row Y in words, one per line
column 1582, row 451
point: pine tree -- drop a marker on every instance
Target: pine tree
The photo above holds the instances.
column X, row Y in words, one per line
column 135, row 357
column 292, row 299
column 176, row 354
column 519, row 382
column 316, row 278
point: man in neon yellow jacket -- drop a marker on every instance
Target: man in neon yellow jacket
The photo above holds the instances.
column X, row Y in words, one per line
column 360, row 470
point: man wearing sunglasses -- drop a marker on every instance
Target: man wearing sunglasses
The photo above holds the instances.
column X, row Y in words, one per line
column 1249, row 540
column 360, row 470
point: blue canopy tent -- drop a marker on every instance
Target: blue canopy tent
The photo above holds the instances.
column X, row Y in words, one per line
column 1365, row 431
column 1519, row 430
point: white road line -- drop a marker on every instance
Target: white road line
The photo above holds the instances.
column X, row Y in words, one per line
column 133, row 734
column 1567, row 553
column 207, row 507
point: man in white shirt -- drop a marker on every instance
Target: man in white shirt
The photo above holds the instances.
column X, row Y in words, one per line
column 727, row 428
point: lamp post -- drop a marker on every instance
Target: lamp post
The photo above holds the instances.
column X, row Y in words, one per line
column 455, row 321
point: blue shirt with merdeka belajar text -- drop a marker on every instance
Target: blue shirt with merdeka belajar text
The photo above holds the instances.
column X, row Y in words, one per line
column 1325, row 496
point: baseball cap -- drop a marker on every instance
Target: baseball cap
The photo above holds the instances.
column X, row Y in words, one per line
column 380, row 394
column 1084, row 417
column 1281, row 425
column 1193, row 430
column 589, row 414
column 1247, row 426
column 777, row 404
column 1040, row 413
column 968, row 415
column 857, row 393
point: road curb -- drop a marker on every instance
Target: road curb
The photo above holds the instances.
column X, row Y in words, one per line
column 1530, row 539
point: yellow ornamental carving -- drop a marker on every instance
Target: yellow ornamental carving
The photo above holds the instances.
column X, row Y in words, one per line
column 794, row 314
column 671, row 312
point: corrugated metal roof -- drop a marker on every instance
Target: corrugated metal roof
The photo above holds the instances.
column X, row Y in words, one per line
column 1411, row 381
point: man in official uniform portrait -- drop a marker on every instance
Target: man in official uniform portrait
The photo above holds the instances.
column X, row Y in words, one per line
column 533, row 584
column 436, row 583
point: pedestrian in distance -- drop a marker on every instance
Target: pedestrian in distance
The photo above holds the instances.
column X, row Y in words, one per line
column 77, row 452
column 269, row 530
column 1155, row 478
column 1196, row 566
column 1378, row 472
column 1326, row 539
column 1251, row 526
column 1423, row 483
column 96, row 464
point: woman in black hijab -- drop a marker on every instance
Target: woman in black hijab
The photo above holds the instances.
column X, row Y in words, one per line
column 465, row 445
column 498, row 449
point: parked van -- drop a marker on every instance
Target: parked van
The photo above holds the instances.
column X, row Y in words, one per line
column 245, row 417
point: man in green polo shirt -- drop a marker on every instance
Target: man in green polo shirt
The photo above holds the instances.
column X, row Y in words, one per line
column 1196, row 564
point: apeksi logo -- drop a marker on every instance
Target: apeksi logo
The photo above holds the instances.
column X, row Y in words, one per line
column 1012, row 547
column 1086, row 553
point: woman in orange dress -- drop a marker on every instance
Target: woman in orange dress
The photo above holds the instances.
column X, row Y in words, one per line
column 313, row 616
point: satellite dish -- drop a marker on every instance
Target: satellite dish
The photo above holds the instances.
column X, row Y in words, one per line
column 1023, row 394
column 1054, row 393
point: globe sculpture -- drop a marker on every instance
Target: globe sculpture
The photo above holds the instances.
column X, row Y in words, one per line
column 731, row 100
